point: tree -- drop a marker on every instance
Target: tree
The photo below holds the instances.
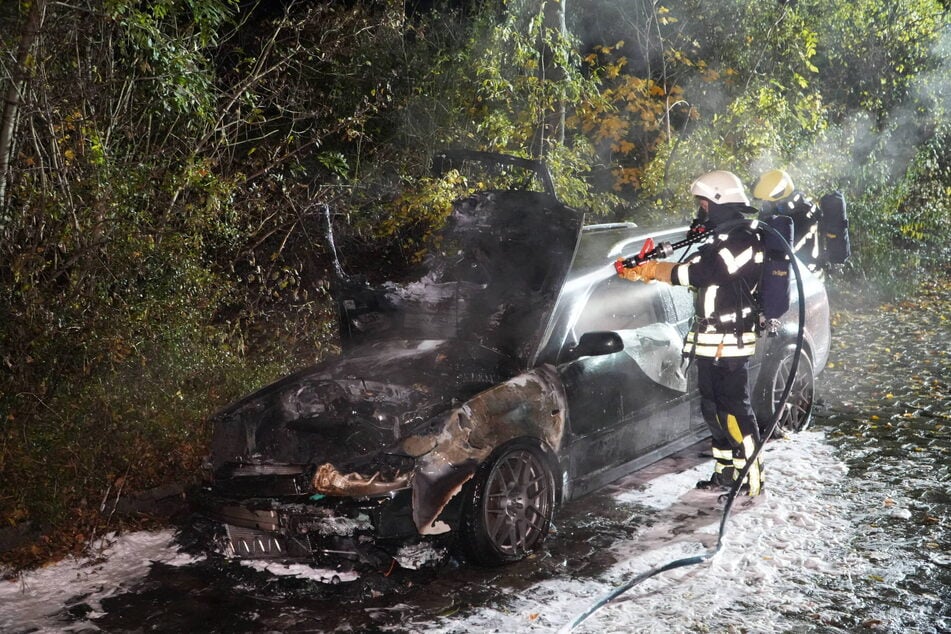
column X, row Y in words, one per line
column 13, row 97
column 871, row 53
column 553, row 31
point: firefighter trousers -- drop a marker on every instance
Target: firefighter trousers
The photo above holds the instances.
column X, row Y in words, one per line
column 728, row 412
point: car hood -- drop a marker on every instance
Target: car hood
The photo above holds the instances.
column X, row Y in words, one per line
column 348, row 410
column 491, row 276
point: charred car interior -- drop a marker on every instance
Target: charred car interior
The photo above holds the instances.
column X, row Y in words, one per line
column 513, row 374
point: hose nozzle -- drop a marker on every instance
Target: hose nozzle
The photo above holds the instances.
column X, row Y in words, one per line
column 648, row 252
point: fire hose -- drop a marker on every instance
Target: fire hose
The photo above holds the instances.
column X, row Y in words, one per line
column 650, row 252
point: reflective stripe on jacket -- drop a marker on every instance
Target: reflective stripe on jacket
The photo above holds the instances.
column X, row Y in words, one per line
column 725, row 274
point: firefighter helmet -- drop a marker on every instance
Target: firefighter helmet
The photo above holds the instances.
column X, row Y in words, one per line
column 773, row 185
column 720, row 187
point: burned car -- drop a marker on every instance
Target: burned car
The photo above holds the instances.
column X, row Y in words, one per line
column 515, row 373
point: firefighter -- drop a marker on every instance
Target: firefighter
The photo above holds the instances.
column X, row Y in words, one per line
column 780, row 197
column 725, row 273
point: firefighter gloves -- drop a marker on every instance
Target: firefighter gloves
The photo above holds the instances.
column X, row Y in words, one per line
column 647, row 272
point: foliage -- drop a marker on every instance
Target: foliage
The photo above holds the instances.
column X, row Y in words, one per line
column 871, row 53
column 424, row 205
column 154, row 275
column 763, row 97
column 903, row 223
column 508, row 101
column 924, row 210
column 628, row 120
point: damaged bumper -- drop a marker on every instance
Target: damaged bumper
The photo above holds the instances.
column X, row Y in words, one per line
column 318, row 529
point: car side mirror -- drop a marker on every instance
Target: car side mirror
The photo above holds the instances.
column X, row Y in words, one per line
column 596, row 343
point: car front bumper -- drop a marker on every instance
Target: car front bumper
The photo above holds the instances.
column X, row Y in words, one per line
column 317, row 529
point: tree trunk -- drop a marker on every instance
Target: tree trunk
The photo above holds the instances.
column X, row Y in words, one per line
column 15, row 88
column 552, row 127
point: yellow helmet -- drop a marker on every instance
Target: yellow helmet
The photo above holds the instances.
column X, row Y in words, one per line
column 773, row 185
column 720, row 187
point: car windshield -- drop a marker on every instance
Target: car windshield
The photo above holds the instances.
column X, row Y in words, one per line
column 491, row 277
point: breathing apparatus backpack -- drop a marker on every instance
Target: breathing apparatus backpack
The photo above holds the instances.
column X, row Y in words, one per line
column 774, row 280
column 772, row 296
column 834, row 229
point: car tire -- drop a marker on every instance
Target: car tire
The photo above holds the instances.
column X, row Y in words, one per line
column 510, row 505
column 797, row 413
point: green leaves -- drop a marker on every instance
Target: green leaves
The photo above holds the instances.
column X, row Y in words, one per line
column 870, row 52
column 334, row 162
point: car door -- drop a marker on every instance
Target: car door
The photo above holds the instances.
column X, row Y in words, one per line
column 623, row 405
column 679, row 306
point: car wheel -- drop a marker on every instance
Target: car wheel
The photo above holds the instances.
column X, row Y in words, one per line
column 510, row 506
column 797, row 413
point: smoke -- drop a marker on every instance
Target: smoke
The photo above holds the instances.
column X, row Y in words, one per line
column 868, row 152
column 857, row 149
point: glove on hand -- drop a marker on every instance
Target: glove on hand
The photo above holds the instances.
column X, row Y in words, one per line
column 648, row 271
column 631, row 274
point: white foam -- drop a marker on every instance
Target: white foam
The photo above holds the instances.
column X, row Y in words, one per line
column 790, row 536
column 31, row 602
column 797, row 537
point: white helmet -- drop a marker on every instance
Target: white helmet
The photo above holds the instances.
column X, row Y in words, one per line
column 720, row 187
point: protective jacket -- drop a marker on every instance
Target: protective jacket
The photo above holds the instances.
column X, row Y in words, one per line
column 725, row 273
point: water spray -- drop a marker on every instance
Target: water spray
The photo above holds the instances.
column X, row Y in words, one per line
column 651, row 252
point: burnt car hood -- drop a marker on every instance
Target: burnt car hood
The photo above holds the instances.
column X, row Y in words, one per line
column 347, row 409
column 491, row 276
column 472, row 316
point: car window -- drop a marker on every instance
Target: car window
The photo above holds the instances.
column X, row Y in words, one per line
column 681, row 298
column 594, row 298
column 616, row 304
